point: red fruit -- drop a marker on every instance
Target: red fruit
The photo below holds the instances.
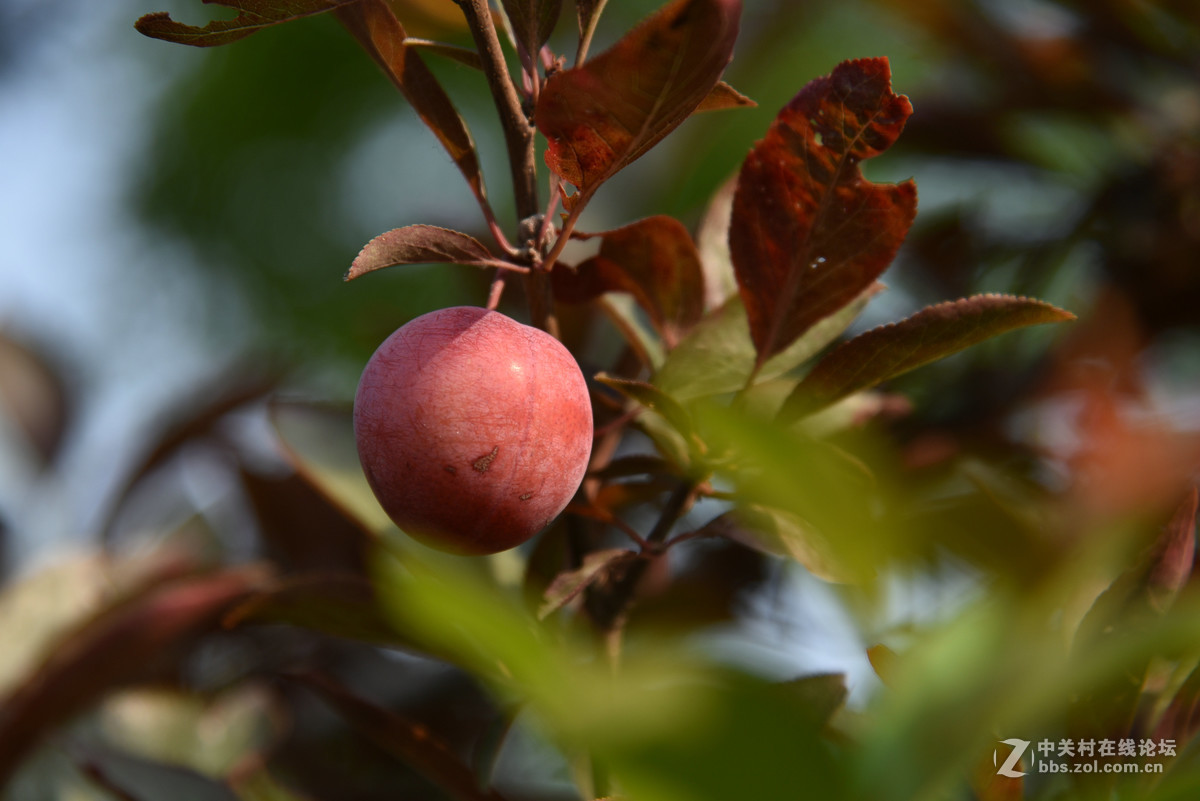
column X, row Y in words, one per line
column 474, row 430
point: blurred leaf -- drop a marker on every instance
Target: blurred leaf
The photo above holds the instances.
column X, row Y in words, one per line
column 818, row 503
column 319, row 443
column 712, row 242
column 405, row 739
column 131, row 778
column 1142, row 593
column 376, row 28
column 724, row 96
column 567, row 585
column 238, row 388
column 779, row 533
column 34, row 396
column 932, row 333
column 343, row 605
column 532, row 22
column 601, row 116
column 667, row 726
column 654, row 260
column 809, row 233
column 883, row 662
column 654, row 399
column 718, row 355
column 253, row 16
column 120, row 644
column 420, row 244
column 823, row 693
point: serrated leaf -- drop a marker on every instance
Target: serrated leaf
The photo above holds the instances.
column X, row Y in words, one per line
column 932, row 333
column 420, row 244
column 567, row 585
column 378, row 31
column 253, row 16
column 532, row 22
column 718, row 355
column 724, row 96
column 601, row 116
column 809, row 233
column 655, row 261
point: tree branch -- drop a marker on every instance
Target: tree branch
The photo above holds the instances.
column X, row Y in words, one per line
column 519, row 140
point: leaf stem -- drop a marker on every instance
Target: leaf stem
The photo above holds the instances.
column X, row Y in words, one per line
column 585, row 37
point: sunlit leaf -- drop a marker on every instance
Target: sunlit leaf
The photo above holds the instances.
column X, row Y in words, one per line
column 724, row 96
column 932, row 333
column 654, row 260
column 718, row 355
column 532, row 22
column 253, row 16
column 780, row 533
column 376, row 28
column 566, row 586
column 652, row 398
column 600, row 117
column 809, row 233
column 420, row 244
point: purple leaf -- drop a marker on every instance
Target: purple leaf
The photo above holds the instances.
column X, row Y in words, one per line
column 932, row 333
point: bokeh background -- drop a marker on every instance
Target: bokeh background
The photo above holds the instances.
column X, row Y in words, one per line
column 175, row 224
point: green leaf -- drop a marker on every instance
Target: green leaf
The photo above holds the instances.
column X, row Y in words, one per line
column 603, row 115
column 932, row 333
column 420, row 244
column 655, row 261
column 253, row 16
column 654, row 399
column 718, row 355
column 809, row 232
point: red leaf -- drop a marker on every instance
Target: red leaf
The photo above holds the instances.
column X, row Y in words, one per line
column 654, row 260
column 930, row 334
column 600, row 117
column 119, row 645
column 1174, row 554
column 376, row 28
column 420, row 244
column 253, row 16
column 724, row 96
column 809, row 233
column 532, row 22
